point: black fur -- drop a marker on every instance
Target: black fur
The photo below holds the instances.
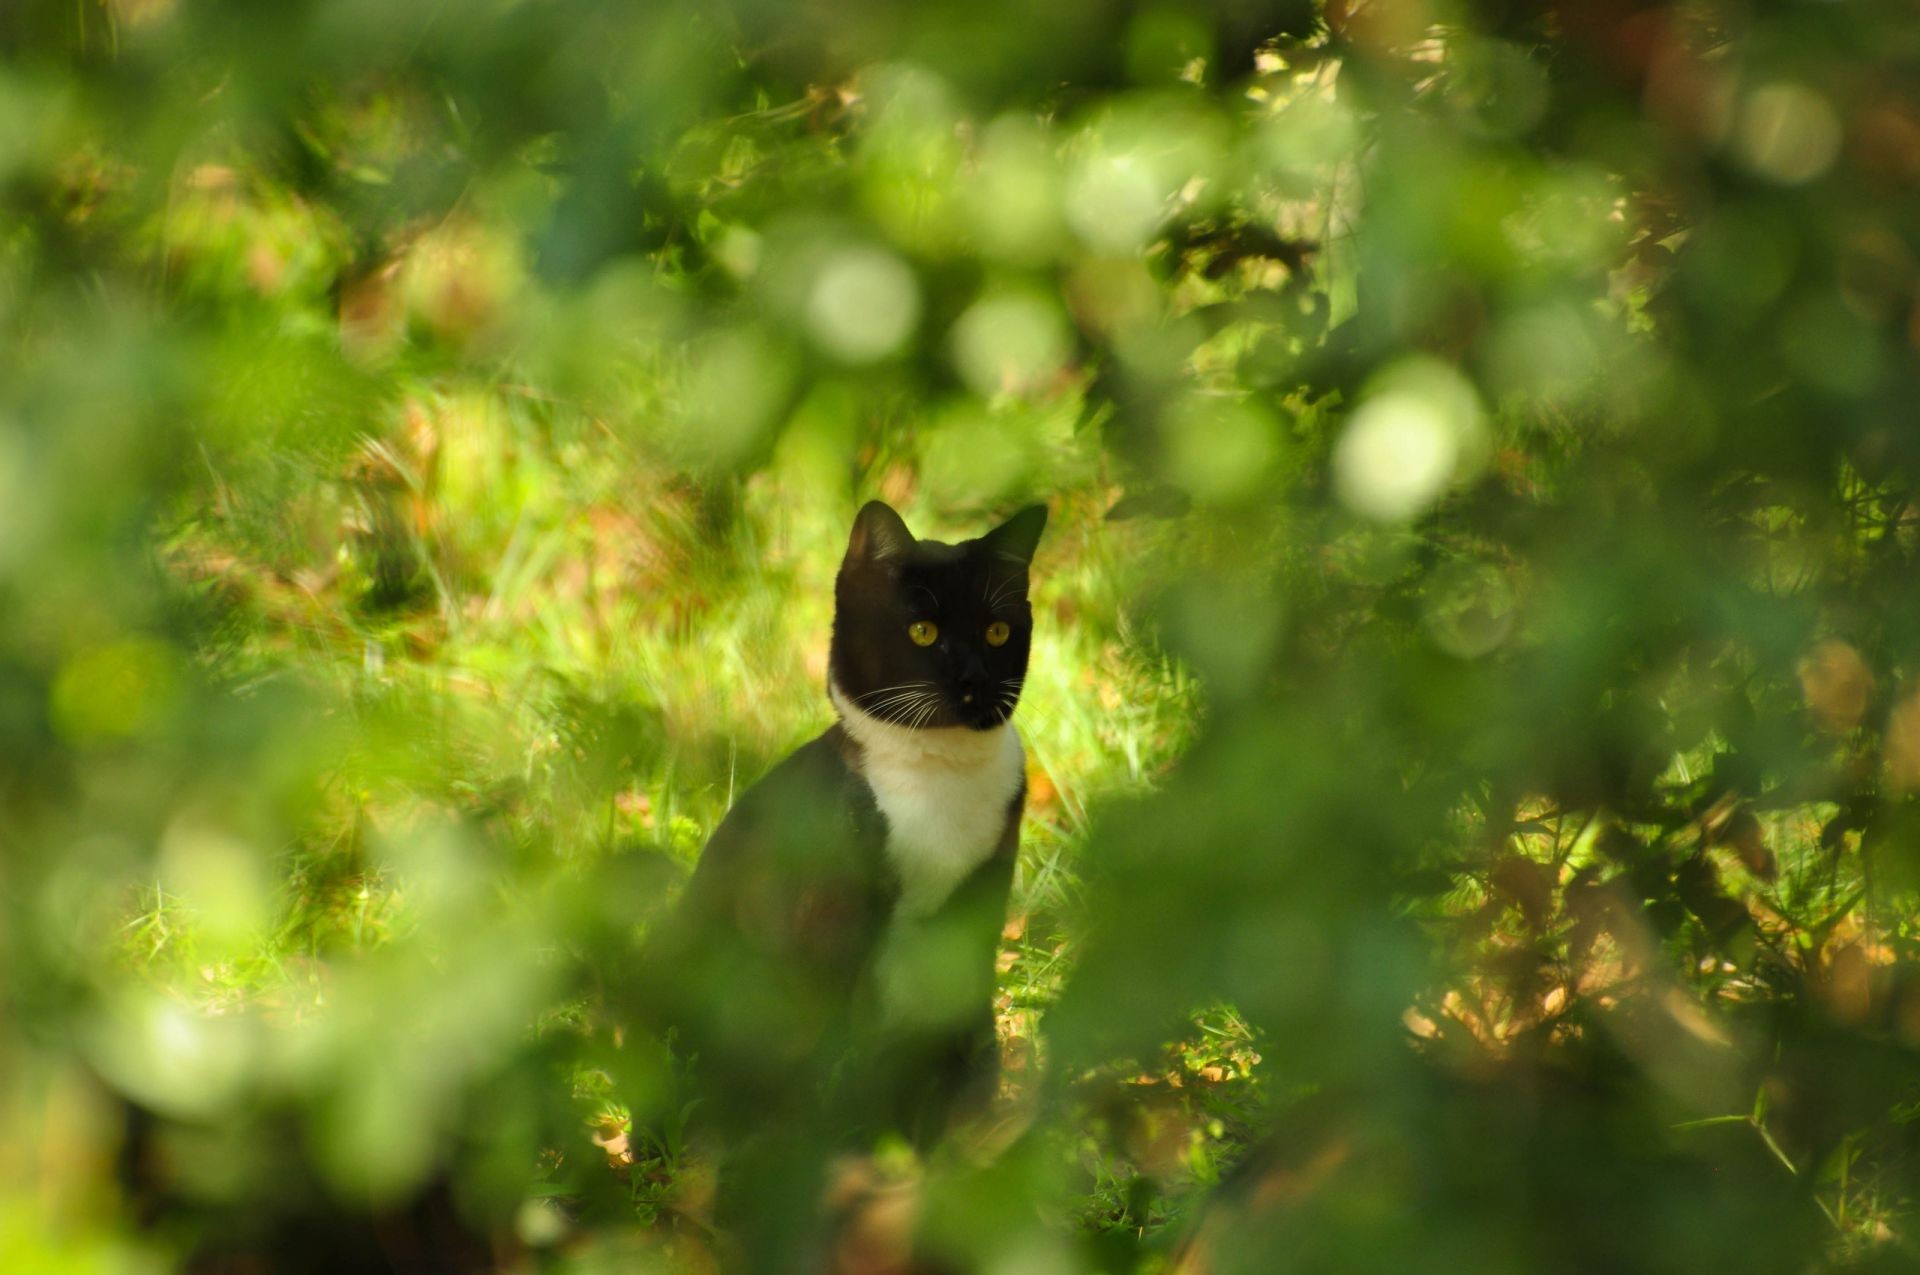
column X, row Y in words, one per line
column 889, row 580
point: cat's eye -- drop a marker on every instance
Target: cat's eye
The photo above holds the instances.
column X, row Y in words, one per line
column 998, row 633
column 922, row 632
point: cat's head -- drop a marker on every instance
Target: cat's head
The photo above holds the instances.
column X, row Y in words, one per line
column 929, row 635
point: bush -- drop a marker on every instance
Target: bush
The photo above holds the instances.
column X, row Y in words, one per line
column 1472, row 731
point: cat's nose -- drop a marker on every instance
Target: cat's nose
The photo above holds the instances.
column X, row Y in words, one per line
column 973, row 686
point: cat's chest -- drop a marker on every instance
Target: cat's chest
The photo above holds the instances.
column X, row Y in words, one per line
column 945, row 812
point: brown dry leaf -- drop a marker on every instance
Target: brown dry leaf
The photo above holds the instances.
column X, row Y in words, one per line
column 1527, row 883
column 369, row 313
column 136, row 13
column 1693, row 1020
column 265, row 267
column 1837, row 685
column 635, row 804
column 1846, row 984
column 696, row 1182
column 212, row 177
column 1906, row 1013
column 688, row 1252
column 897, row 485
column 1743, row 833
column 1471, row 1018
column 1889, row 139
column 1016, row 1044
column 877, row 1215
column 610, row 1135
column 1158, row 1134
column 814, row 660
column 1902, row 748
column 1041, row 794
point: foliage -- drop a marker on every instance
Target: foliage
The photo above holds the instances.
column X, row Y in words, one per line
column 1473, row 731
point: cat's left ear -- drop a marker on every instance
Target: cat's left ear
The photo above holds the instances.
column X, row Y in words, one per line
column 1017, row 537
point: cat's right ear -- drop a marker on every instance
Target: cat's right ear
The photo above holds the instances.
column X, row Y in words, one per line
column 879, row 535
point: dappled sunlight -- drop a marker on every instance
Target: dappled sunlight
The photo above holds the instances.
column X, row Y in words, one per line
column 1469, row 748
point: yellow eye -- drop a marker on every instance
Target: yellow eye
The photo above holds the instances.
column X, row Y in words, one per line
column 998, row 633
column 922, row 632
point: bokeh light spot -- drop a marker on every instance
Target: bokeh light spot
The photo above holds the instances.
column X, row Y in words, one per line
column 863, row 305
column 1407, row 441
column 171, row 1057
column 220, row 879
column 1220, row 450
column 1114, row 203
column 1009, row 343
column 1013, row 200
column 1787, row 133
column 736, row 387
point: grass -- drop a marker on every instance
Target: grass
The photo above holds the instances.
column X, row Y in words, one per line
column 530, row 625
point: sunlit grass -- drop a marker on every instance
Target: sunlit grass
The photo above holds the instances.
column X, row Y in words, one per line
column 540, row 634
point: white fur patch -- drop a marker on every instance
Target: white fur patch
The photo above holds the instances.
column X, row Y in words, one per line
column 944, row 794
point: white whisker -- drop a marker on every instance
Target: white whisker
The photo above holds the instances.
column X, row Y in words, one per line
column 898, row 686
column 910, row 712
column 907, row 687
column 896, row 704
column 901, row 709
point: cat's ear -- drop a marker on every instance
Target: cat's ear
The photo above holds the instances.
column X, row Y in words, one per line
column 1017, row 537
column 878, row 534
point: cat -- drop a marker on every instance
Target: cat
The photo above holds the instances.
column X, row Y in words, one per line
column 831, row 960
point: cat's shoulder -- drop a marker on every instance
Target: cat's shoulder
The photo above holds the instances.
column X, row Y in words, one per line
column 820, row 778
column 831, row 753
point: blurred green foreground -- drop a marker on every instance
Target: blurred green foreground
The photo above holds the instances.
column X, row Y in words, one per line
column 1474, row 728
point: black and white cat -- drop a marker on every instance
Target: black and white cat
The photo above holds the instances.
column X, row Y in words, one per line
column 832, row 957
